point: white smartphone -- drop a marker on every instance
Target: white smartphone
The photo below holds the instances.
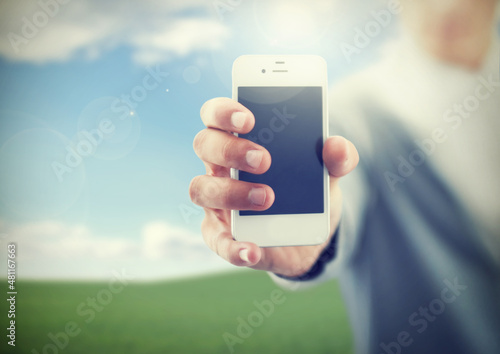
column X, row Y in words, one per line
column 288, row 97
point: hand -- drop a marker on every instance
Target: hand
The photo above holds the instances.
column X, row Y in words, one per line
column 218, row 194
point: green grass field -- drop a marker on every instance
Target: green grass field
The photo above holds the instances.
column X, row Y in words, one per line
column 184, row 316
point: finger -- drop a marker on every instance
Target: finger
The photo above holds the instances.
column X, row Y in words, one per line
column 222, row 243
column 227, row 114
column 225, row 149
column 228, row 193
column 340, row 156
column 217, row 170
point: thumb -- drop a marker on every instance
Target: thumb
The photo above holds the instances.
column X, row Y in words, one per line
column 340, row 157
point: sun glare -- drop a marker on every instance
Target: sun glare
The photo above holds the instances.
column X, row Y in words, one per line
column 291, row 24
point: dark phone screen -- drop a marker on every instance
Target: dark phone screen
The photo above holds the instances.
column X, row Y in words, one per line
column 289, row 125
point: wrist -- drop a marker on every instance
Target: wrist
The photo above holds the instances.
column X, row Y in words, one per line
column 327, row 255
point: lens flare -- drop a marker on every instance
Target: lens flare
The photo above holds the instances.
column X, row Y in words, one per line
column 294, row 24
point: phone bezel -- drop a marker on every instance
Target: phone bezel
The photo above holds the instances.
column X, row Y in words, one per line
column 283, row 71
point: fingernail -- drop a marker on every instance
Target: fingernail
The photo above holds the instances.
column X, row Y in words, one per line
column 257, row 196
column 254, row 158
column 244, row 255
column 238, row 119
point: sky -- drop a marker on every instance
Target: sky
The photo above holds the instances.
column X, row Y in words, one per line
column 100, row 104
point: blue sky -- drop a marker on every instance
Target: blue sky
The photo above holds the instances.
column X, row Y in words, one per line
column 122, row 205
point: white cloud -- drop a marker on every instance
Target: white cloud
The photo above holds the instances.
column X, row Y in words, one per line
column 155, row 30
column 54, row 240
column 55, row 250
column 161, row 240
column 179, row 39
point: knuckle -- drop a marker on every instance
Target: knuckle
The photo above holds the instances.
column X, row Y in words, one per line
column 231, row 197
column 228, row 148
column 225, row 194
column 211, row 108
column 194, row 189
column 220, row 119
column 204, row 106
column 234, row 259
column 212, row 189
column 198, row 141
column 208, row 106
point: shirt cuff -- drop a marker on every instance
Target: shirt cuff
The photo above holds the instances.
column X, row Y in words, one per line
column 327, row 255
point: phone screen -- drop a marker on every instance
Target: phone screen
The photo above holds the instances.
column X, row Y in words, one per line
column 289, row 124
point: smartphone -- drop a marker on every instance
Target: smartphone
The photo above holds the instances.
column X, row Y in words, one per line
column 288, row 97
